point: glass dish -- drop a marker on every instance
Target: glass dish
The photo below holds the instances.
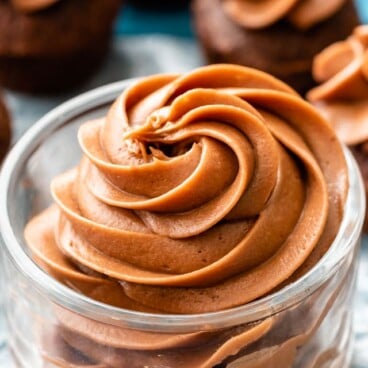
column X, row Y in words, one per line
column 305, row 324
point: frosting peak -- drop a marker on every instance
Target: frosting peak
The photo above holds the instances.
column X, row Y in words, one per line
column 342, row 68
column 303, row 14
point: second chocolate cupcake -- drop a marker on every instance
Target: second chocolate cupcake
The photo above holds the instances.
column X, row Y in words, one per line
column 342, row 97
column 52, row 45
column 280, row 37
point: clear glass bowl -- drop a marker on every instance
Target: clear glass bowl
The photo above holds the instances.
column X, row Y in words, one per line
column 306, row 324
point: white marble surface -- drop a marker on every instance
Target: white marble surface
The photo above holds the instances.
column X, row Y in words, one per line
column 143, row 55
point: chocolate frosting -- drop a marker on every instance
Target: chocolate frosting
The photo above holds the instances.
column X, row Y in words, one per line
column 30, row 6
column 303, row 14
column 196, row 193
column 342, row 96
column 192, row 189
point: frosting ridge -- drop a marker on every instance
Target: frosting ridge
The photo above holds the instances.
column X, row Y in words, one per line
column 303, row 14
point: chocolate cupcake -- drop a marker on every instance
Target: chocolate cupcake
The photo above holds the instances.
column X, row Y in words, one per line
column 342, row 96
column 52, row 45
column 280, row 37
column 4, row 130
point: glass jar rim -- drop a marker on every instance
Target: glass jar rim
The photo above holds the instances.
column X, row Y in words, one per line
column 64, row 296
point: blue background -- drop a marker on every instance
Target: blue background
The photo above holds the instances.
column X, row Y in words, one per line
column 133, row 21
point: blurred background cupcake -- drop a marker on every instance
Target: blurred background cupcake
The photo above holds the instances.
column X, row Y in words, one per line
column 51, row 45
column 280, row 37
column 342, row 96
column 4, row 129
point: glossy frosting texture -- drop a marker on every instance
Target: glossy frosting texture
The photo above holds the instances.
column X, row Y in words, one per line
column 196, row 193
column 303, row 14
column 342, row 96
column 30, row 6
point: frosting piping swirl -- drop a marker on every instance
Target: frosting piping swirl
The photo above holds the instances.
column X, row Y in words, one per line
column 196, row 193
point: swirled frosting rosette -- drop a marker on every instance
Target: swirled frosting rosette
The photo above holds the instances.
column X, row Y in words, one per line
column 196, row 193
column 302, row 14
